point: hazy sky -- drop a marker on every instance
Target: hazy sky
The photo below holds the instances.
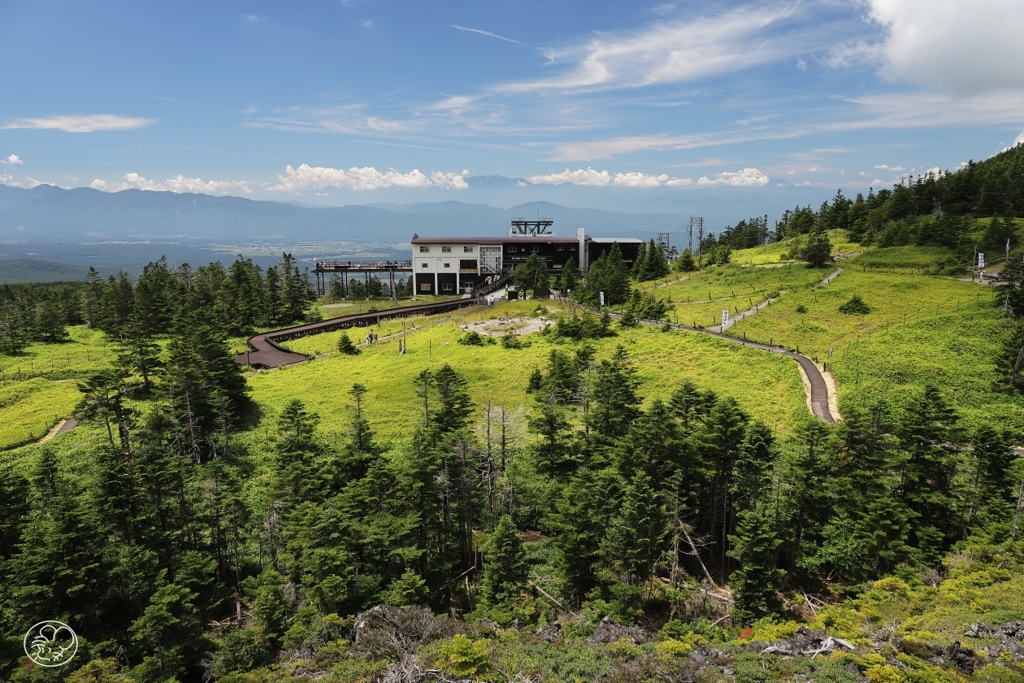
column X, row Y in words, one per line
column 365, row 100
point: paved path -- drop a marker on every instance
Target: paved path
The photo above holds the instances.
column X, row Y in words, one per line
column 265, row 352
column 818, row 398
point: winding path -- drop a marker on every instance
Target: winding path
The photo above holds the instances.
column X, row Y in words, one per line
column 265, row 352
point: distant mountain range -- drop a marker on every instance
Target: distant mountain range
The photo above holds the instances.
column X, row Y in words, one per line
column 46, row 213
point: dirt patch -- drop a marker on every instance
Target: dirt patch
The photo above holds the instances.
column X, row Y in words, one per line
column 500, row 327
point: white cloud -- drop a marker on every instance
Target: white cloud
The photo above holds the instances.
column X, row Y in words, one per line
column 7, row 179
column 32, row 182
column 307, row 177
column 13, row 160
column 748, row 177
column 671, row 52
column 590, row 177
column 81, row 123
column 1019, row 140
column 952, row 46
column 179, row 183
column 886, row 167
column 368, row 23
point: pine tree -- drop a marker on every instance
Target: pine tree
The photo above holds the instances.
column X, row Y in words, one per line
column 1010, row 362
column 570, row 277
column 138, row 353
column 818, row 252
column 755, row 585
column 454, row 403
column 685, row 263
column 927, row 473
column 505, row 569
column 614, row 396
column 640, row 266
column 49, row 322
column 346, row 346
column 92, row 297
column 637, row 532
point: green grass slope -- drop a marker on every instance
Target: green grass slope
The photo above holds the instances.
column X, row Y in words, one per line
column 767, row 386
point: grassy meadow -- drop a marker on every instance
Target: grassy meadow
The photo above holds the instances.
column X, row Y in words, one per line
column 778, row 252
column 768, row 387
column 30, row 408
column 921, row 330
column 37, row 387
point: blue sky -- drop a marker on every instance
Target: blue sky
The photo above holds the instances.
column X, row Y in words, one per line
column 662, row 104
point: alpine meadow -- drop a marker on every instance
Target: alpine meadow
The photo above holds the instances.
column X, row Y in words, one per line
column 582, row 342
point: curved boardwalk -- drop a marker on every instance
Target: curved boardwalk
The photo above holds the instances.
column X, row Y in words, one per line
column 265, row 352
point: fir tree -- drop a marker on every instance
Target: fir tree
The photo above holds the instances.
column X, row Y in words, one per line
column 755, row 585
column 346, row 346
column 685, row 263
column 818, row 251
column 636, row 534
column 505, row 569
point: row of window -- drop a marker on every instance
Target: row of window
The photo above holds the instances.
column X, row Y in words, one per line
column 468, row 249
column 447, row 250
column 535, row 247
column 464, row 264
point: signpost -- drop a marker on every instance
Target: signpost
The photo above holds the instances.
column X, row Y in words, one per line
column 725, row 317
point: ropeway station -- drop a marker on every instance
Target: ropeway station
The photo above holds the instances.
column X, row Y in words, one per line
column 453, row 266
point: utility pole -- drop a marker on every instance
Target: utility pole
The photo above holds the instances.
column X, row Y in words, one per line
column 698, row 222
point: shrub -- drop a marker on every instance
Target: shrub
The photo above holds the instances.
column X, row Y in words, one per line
column 511, row 341
column 855, row 306
column 346, row 346
column 463, row 658
column 471, row 338
column 801, row 309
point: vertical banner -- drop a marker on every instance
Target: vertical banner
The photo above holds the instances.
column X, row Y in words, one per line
column 725, row 317
column 602, row 298
column 981, row 260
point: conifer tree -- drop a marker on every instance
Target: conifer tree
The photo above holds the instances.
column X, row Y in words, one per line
column 346, row 346
column 454, row 403
column 755, row 585
column 818, row 251
column 640, row 265
column 636, row 533
column 614, row 396
column 685, row 263
column 505, row 570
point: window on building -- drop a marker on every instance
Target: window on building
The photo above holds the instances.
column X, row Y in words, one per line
column 561, row 249
column 467, row 249
column 467, row 264
column 512, row 248
column 424, row 286
column 447, row 265
column 536, row 247
column 446, row 250
column 446, row 286
column 424, row 250
column 425, row 265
